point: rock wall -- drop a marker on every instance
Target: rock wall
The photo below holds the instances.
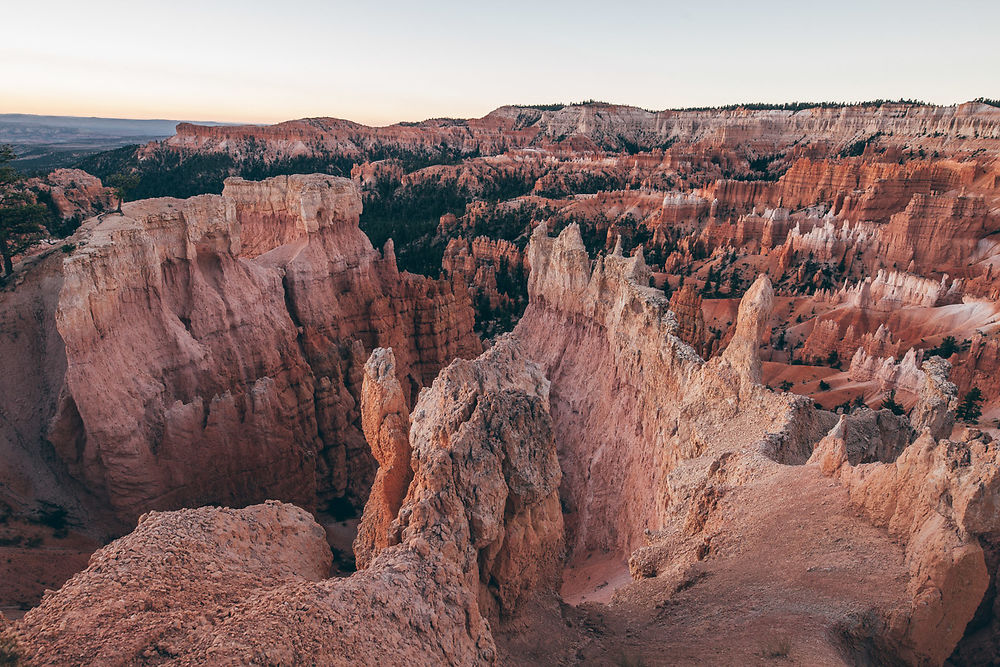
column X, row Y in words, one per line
column 598, row 126
column 603, row 329
column 940, row 499
column 214, row 346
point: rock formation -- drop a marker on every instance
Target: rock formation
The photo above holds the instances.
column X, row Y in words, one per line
column 601, row 126
column 479, row 531
column 868, row 546
column 211, row 349
column 686, row 306
column 616, row 448
column 74, row 194
column 386, row 425
column 710, row 437
column 940, row 499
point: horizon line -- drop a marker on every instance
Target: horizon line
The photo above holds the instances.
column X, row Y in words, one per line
column 760, row 106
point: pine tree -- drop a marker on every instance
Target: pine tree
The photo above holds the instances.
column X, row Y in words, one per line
column 123, row 184
column 890, row 404
column 21, row 216
column 970, row 409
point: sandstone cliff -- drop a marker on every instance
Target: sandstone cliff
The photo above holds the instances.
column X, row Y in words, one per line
column 600, row 126
column 211, row 349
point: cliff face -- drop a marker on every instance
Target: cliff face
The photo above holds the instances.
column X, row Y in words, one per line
column 605, row 127
column 214, row 346
column 605, row 323
column 686, row 305
column 939, row 499
column 673, row 461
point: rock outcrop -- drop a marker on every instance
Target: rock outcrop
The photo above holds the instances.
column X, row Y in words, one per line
column 74, row 194
column 934, row 409
column 940, row 498
column 700, row 490
column 386, row 424
column 211, row 350
column 479, row 532
column 685, row 304
column 603, row 322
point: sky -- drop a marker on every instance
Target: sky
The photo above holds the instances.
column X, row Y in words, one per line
column 383, row 62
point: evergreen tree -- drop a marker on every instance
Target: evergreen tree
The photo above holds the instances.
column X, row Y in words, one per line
column 21, row 216
column 122, row 184
column 890, row 403
column 970, row 409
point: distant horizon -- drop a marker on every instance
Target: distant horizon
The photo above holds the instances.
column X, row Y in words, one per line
column 221, row 121
column 258, row 63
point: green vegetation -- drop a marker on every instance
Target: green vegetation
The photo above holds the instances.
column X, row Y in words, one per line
column 123, row 185
column 169, row 173
column 824, row 385
column 799, row 106
column 581, row 182
column 970, row 408
column 857, row 148
column 948, row 346
column 22, row 218
column 986, row 100
column 409, row 214
column 543, row 107
column 889, row 403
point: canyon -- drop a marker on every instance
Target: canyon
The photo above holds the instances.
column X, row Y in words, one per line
column 674, row 387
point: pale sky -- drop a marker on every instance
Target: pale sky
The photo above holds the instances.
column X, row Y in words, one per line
column 383, row 62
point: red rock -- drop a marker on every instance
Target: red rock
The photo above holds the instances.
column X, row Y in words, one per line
column 75, row 193
column 236, row 376
column 478, row 535
column 686, row 305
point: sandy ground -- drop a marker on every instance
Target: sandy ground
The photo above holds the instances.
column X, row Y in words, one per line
column 594, row 578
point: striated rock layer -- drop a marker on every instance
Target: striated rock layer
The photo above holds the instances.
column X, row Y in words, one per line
column 210, row 350
column 584, row 324
column 598, row 126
